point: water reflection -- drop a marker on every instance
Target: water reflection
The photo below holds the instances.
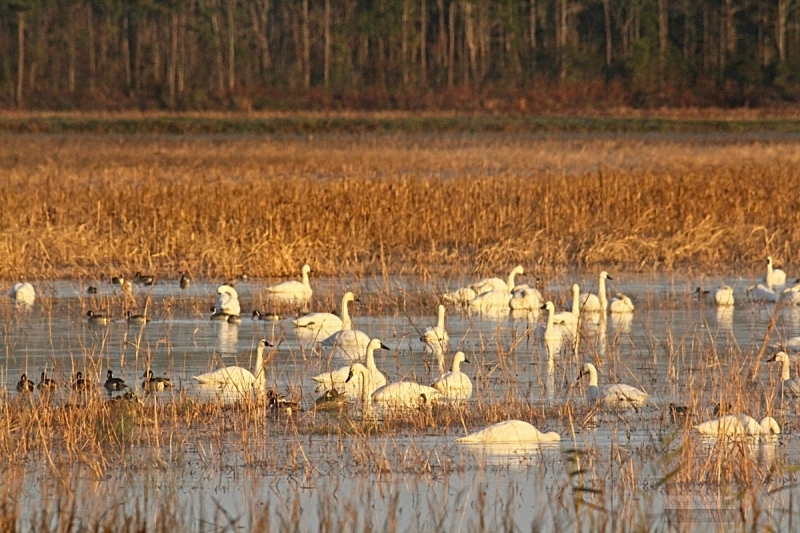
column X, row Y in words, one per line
column 227, row 338
column 513, row 455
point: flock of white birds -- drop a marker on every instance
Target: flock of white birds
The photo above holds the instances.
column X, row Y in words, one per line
column 361, row 378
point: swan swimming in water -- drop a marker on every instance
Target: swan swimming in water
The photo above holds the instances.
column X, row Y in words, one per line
column 466, row 295
column 455, row 385
column 494, row 293
column 761, row 293
column 236, row 376
column 616, row 394
column 436, row 337
column 774, row 277
column 511, row 432
column 293, row 290
column 326, row 324
column 526, row 299
column 620, row 304
column 227, row 301
column 570, row 318
column 595, row 303
column 23, row 293
column 337, row 379
column 738, row 425
column 722, row 296
column 551, row 333
column 789, row 386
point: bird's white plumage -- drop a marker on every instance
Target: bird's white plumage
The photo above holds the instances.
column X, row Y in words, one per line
column 620, row 304
column 293, row 290
column 337, row 379
column 615, row 395
column 789, row 386
column 436, row 337
column 738, row 425
column 511, row 432
column 761, row 293
column 455, row 385
column 23, row 292
column 406, row 395
column 774, row 277
column 227, row 301
column 326, row 324
column 235, row 376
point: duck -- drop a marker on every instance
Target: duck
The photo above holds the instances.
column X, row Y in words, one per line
column 328, row 322
column 23, row 293
column 293, row 290
column 722, row 296
column 789, row 386
column 227, row 301
column 96, row 319
column 185, row 280
column 24, row 384
column 46, row 383
column 278, row 403
column 269, row 316
column 91, row 289
column 510, row 432
column 494, row 293
column 151, row 383
column 595, row 303
column 136, row 319
column 330, row 400
column 774, row 277
column 738, row 425
column 143, row 279
column 113, row 383
column 234, row 319
column 761, row 293
column 236, row 376
column 81, row 384
column 455, row 385
column 337, row 379
column 620, row 304
column 436, row 337
column 616, row 394
column 124, row 284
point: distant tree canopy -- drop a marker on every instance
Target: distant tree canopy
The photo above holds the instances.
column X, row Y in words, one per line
column 396, row 54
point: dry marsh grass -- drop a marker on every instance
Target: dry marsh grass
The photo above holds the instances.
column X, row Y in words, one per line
column 89, row 206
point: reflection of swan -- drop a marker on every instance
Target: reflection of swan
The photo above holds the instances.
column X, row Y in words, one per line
column 236, row 376
column 620, row 304
column 592, row 302
column 436, row 337
column 724, row 317
column 738, row 425
column 789, row 386
column 337, row 379
column 227, row 338
column 227, row 301
column 455, row 385
column 326, row 324
column 621, row 322
column 510, row 431
column 761, row 293
column 615, row 394
column 293, row 290
column 23, row 293
column 774, row 276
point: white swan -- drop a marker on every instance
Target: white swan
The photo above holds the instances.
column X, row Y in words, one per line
column 761, row 293
column 570, row 318
column 616, row 394
column 293, row 290
column 775, row 276
column 790, row 295
column 227, row 301
column 789, row 386
column 337, row 379
column 511, row 432
column 236, row 376
column 455, row 385
column 357, row 369
column 620, row 304
column 527, row 299
column 593, row 303
column 436, row 337
column 406, row 395
column 492, row 284
column 328, row 322
column 551, row 333
column 349, row 344
column 23, row 293
column 738, row 425
column 498, row 296
column 721, row 296
column 463, row 295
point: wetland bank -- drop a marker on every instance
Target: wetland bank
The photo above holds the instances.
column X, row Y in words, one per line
column 400, row 219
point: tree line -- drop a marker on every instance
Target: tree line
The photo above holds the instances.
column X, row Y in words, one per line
column 206, row 54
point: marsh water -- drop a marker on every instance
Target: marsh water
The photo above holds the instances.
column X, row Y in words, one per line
column 668, row 338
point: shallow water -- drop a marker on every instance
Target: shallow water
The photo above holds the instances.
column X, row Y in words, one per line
column 659, row 350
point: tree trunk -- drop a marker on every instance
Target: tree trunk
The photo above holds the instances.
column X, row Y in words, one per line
column 783, row 14
column 218, row 46
column 90, row 36
column 442, row 40
column 326, row 70
column 423, row 52
column 126, row 52
column 607, row 21
column 404, row 43
column 469, row 38
column 20, row 57
column 172, row 75
column 231, row 45
column 451, row 49
column 306, row 47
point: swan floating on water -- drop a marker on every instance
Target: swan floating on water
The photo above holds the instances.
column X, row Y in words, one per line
column 293, row 290
column 511, row 432
column 337, row 379
column 595, row 303
column 616, row 394
column 494, row 293
column 789, row 386
column 23, row 293
column 774, row 277
column 326, row 324
column 721, row 296
column 526, row 299
column 237, row 377
column 227, row 301
column 738, row 425
column 436, row 337
column 761, row 293
column 552, row 334
column 620, row 304
column 570, row 318
column 455, row 385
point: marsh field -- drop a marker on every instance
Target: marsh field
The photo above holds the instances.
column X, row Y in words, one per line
column 400, row 218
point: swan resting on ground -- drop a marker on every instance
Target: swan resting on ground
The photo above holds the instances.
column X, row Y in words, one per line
column 614, row 395
column 738, row 425
column 455, row 385
column 511, row 432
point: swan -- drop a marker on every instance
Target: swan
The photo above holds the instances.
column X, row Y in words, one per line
column 570, row 318
column 789, row 345
column 526, row 299
column 455, row 385
column 236, row 376
column 491, row 284
column 100, row 320
column 337, row 379
column 738, row 425
column 227, row 301
column 293, row 290
column 436, row 337
column 791, row 295
column 789, row 386
column 774, row 276
column 124, row 284
column 512, row 432
column 460, row 296
column 186, row 281
column 620, row 304
column 23, row 293
column 402, row 395
column 113, row 383
column 24, row 384
column 594, row 303
column 328, row 322
column 761, row 293
column 721, row 296
column 494, row 293
column 551, row 333
column 151, row 383
column 357, row 369
column 615, row 394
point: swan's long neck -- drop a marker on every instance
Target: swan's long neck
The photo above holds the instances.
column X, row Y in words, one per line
column 366, row 395
column 306, row 284
column 371, row 359
column 592, row 377
column 456, row 364
column 786, row 372
column 601, row 290
column 576, row 300
column 440, row 359
column 440, row 325
column 511, row 277
column 346, row 322
column 550, row 312
column 261, row 377
column 769, row 269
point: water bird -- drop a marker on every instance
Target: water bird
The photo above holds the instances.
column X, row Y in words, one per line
column 92, row 290
column 23, row 293
column 774, row 277
column 527, row 299
column 277, row 402
column 569, row 318
column 124, row 284
column 113, row 383
column 227, row 301
column 620, row 304
column 234, row 319
column 616, row 394
column 337, row 379
column 155, row 383
column 679, row 411
column 436, row 337
column 595, row 303
column 738, row 425
column 293, row 290
column 267, row 316
column 328, row 322
column 551, row 333
column 236, row 376
column 455, row 385
column 510, row 432
column 494, row 293
column 761, row 293
column 136, row 319
column 81, row 384
column 789, row 386
column 406, row 395
column 143, row 279
column 46, row 383
column 24, row 384
column 97, row 319
column 185, row 281
column 330, row 400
